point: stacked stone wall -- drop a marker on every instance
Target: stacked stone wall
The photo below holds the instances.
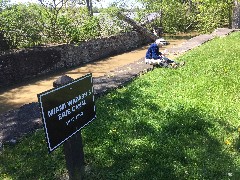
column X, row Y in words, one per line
column 21, row 65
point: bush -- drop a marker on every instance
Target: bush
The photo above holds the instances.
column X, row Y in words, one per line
column 26, row 25
column 184, row 16
column 21, row 25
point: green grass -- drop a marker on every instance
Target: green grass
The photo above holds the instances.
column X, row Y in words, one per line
column 167, row 124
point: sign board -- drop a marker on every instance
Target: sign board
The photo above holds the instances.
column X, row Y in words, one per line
column 67, row 109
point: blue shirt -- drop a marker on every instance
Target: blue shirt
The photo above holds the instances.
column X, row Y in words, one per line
column 153, row 52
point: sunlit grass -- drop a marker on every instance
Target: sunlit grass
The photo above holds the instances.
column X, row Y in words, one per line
column 167, row 124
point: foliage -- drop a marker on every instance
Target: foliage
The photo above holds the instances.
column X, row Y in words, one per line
column 212, row 15
column 21, row 25
column 181, row 16
column 90, row 29
column 26, row 25
column 167, row 124
column 76, row 25
column 177, row 17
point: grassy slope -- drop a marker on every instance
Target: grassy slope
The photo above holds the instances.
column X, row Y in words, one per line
column 167, row 124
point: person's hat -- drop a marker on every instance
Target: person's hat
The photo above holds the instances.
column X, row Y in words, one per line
column 159, row 42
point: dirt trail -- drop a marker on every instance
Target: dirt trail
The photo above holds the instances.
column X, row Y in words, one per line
column 16, row 96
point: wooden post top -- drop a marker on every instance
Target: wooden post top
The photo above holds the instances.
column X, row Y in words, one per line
column 62, row 80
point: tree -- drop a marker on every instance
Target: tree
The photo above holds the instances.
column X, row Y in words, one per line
column 89, row 7
column 188, row 15
column 88, row 3
column 236, row 15
column 52, row 10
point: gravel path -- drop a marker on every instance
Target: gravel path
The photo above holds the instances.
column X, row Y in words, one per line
column 26, row 119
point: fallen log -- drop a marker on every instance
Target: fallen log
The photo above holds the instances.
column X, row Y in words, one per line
column 137, row 26
column 151, row 20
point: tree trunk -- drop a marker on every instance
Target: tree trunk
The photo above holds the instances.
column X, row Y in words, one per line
column 236, row 15
column 138, row 28
column 89, row 7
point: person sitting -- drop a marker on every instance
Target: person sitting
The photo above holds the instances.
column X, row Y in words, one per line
column 155, row 57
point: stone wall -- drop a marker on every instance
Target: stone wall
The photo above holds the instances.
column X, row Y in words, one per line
column 18, row 66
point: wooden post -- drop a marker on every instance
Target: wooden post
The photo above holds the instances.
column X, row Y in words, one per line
column 73, row 147
column 74, row 156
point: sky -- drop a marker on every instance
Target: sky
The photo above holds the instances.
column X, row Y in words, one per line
column 104, row 3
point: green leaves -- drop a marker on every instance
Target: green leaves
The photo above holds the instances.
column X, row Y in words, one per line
column 26, row 25
column 182, row 16
column 21, row 25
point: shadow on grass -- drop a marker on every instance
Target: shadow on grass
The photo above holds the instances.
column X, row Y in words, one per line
column 29, row 159
column 133, row 138
column 152, row 143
